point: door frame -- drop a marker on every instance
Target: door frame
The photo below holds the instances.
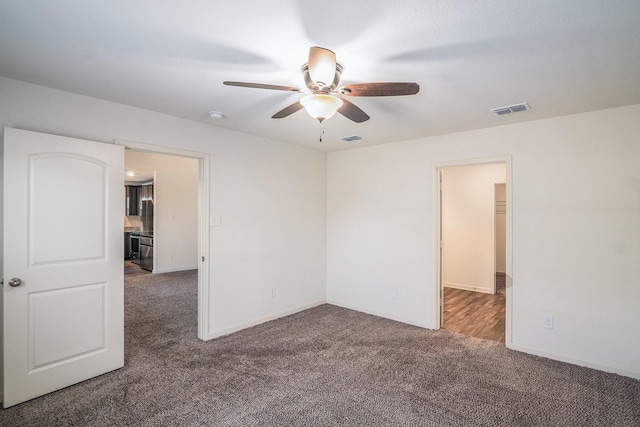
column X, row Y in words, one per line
column 439, row 290
column 495, row 232
column 203, row 225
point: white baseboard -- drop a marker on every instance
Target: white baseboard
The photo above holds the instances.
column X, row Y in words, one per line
column 383, row 315
column 254, row 322
column 586, row 363
column 173, row 270
column 467, row 287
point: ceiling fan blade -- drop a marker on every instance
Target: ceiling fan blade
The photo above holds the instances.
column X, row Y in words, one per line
column 322, row 65
column 352, row 112
column 262, row 86
column 287, row 111
column 380, row 89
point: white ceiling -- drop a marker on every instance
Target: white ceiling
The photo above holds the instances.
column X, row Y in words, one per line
column 561, row 57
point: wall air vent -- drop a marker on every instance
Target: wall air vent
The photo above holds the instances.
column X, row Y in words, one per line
column 515, row 108
column 351, row 138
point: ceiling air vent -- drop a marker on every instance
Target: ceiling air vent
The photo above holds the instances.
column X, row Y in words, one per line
column 351, row 138
column 515, row 108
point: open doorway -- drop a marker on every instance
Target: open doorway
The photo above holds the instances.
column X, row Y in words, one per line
column 161, row 212
column 139, row 172
column 180, row 195
column 473, row 260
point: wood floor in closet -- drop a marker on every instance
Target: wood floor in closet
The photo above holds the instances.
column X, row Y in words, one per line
column 476, row 314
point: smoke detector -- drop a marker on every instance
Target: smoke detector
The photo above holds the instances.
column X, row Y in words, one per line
column 216, row 114
column 515, row 108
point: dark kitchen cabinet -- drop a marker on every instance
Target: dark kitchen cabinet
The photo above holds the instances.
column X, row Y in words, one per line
column 132, row 207
column 127, row 245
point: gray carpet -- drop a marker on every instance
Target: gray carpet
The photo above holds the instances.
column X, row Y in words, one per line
column 326, row 366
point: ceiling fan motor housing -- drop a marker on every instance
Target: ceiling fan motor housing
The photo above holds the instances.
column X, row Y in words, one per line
column 321, row 86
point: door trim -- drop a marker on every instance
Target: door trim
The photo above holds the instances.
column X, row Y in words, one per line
column 495, row 232
column 203, row 224
column 438, row 291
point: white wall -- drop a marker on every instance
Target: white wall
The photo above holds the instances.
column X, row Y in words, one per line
column 468, row 226
column 271, row 195
column 175, row 208
column 576, row 231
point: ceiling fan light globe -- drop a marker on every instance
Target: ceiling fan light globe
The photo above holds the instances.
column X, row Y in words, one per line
column 321, row 107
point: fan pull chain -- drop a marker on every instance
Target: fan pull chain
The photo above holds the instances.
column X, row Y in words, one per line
column 321, row 130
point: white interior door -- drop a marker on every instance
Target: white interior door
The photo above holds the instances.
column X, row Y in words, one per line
column 63, row 239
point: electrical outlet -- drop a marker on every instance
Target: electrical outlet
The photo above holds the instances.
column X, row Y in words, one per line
column 548, row 322
column 273, row 292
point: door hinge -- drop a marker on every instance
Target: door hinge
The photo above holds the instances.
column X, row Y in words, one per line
column 202, row 259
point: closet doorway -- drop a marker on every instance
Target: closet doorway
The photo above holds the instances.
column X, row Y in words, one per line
column 473, row 224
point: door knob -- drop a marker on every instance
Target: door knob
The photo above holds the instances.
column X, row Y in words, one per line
column 15, row 282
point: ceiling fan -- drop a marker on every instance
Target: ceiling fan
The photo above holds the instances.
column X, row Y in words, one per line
column 322, row 77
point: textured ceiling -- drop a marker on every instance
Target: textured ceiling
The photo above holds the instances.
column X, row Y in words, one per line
column 561, row 57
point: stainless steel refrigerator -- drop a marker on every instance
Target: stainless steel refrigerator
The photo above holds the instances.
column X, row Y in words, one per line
column 146, row 234
column 146, row 217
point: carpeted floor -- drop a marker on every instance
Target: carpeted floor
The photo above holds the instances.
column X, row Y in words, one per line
column 326, row 366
